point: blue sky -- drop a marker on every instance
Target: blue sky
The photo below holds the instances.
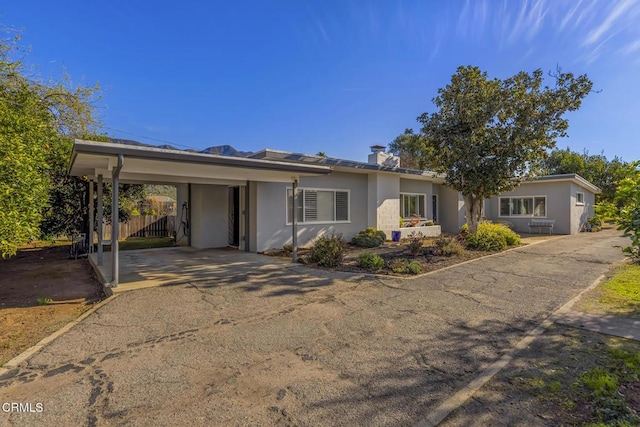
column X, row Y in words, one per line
column 333, row 76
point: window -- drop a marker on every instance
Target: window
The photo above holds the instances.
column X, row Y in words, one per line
column 412, row 204
column 579, row 198
column 319, row 205
column 523, row 206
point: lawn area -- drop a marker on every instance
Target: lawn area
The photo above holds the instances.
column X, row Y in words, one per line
column 567, row 376
column 622, row 291
column 570, row 376
column 618, row 294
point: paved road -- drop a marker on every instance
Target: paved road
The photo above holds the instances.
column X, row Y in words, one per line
column 296, row 346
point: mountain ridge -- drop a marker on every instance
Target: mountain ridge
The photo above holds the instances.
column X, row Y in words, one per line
column 222, row 150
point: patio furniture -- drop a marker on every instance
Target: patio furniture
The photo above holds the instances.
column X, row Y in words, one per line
column 542, row 223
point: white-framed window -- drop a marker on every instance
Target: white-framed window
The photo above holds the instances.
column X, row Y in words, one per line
column 413, row 204
column 319, row 205
column 579, row 198
column 523, row 206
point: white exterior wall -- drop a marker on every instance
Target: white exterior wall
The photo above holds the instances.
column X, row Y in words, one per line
column 252, row 211
column 182, row 214
column 580, row 213
column 559, row 202
column 451, row 206
column 209, row 216
column 384, row 200
column 271, row 229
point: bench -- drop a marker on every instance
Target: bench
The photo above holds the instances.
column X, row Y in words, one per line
column 542, row 223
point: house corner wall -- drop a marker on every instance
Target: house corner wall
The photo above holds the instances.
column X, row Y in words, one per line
column 451, row 209
column 580, row 213
column 384, row 201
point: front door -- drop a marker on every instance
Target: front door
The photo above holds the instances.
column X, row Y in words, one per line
column 234, row 216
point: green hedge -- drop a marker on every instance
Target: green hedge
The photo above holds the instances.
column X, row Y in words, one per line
column 328, row 251
column 369, row 238
column 492, row 237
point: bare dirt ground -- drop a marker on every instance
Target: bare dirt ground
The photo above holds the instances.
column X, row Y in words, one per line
column 41, row 273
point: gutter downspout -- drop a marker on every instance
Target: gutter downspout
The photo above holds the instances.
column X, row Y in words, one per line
column 115, row 220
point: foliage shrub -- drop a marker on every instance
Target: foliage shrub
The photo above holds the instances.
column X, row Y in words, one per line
column 414, row 267
column 463, row 233
column 288, row 248
column 492, row 237
column 371, row 261
column 414, row 242
column 369, row 238
column 403, row 266
column 328, row 251
column 595, row 221
column 447, row 246
column 398, row 265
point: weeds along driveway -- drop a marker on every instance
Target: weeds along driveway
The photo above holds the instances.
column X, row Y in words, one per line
column 301, row 346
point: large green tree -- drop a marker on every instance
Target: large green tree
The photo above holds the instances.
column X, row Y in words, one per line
column 628, row 200
column 38, row 120
column 488, row 135
column 602, row 172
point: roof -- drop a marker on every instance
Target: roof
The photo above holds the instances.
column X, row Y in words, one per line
column 150, row 164
column 341, row 164
column 574, row 177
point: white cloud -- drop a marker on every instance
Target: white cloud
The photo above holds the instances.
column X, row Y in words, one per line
column 618, row 10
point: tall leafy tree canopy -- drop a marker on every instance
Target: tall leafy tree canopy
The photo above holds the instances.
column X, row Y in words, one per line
column 628, row 199
column 490, row 134
column 38, row 120
column 604, row 173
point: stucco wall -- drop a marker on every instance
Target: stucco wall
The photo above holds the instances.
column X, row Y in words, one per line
column 252, row 210
column 384, row 197
column 451, row 215
column 182, row 196
column 272, row 231
column 580, row 213
column 558, row 205
column 209, row 216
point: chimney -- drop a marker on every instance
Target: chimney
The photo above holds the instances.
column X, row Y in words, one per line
column 380, row 158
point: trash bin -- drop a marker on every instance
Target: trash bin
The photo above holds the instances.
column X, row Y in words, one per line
column 395, row 236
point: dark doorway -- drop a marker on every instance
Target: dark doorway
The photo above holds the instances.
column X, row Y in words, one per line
column 234, row 216
column 434, row 207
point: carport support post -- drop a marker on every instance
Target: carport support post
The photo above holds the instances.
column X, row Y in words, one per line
column 115, row 221
column 91, row 217
column 294, row 222
column 100, row 219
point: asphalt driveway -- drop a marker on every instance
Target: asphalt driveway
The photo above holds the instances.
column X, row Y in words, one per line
column 295, row 346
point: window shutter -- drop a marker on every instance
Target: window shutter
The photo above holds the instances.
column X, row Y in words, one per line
column 342, row 206
column 310, row 206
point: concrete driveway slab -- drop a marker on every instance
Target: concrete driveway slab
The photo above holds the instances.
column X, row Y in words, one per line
column 297, row 346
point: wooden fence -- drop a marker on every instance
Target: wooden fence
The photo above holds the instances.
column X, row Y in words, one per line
column 144, row 226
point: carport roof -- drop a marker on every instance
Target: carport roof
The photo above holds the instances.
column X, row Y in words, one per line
column 149, row 164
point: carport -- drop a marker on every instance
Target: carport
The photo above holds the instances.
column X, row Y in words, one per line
column 203, row 182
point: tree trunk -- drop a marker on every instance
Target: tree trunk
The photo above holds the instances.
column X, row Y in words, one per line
column 473, row 211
